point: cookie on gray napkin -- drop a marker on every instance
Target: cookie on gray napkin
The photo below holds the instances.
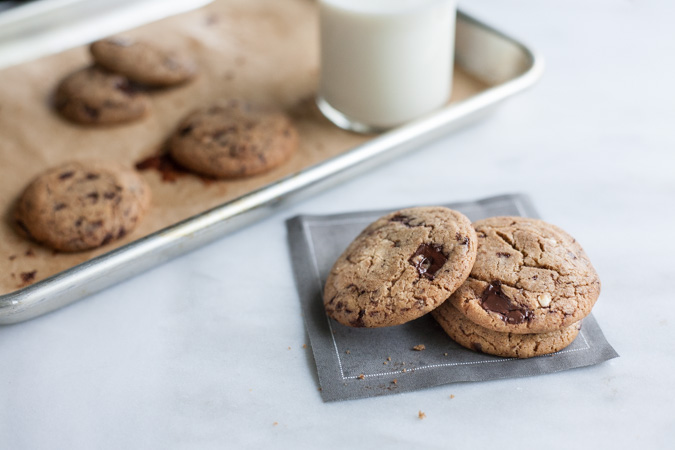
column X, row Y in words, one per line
column 400, row 267
column 529, row 277
column 511, row 345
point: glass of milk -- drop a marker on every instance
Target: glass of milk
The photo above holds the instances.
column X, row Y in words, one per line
column 384, row 62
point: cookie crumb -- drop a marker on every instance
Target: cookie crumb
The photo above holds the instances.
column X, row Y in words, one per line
column 348, row 352
column 388, row 358
column 304, row 345
column 421, row 415
column 385, row 363
column 361, row 377
column 419, row 347
column 394, row 381
column 445, row 354
column 289, row 348
column 404, row 371
column 319, row 389
column 451, row 396
column 275, row 424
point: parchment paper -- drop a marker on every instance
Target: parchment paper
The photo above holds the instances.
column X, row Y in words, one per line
column 261, row 50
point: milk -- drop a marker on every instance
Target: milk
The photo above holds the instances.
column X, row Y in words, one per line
column 384, row 62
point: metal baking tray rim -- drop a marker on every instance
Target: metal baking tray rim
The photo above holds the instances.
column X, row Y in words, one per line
column 131, row 259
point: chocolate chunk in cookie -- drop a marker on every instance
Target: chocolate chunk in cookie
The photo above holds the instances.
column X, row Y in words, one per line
column 233, row 139
column 82, row 205
column 400, row 267
column 143, row 62
column 529, row 277
column 512, row 345
column 95, row 96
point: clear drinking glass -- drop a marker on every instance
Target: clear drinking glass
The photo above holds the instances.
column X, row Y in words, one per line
column 384, row 62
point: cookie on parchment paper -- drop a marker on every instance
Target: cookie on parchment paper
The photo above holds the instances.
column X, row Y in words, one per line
column 94, row 96
column 143, row 62
column 82, row 205
column 233, row 139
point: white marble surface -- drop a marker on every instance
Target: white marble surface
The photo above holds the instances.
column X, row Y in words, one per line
column 194, row 354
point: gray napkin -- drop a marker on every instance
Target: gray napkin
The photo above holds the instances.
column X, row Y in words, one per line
column 361, row 362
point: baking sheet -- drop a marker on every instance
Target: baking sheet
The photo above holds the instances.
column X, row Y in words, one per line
column 262, row 50
column 44, row 27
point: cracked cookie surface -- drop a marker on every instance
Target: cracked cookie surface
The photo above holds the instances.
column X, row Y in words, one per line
column 512, row 345
column 400, row 267
column 142, row 62
column 94, row 96
column 233, row 139
column 82, row 205
column 529, row 277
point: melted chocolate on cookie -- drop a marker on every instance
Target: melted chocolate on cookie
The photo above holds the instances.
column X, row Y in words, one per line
column 428, row 260
column 495, row 300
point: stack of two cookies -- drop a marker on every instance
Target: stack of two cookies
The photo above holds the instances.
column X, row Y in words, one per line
column 507, row 286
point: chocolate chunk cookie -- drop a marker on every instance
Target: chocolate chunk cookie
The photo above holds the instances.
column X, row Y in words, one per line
column 142, row 62
column 82, row 205
column 233, row 139
column 477, row 338
column 400, row 267
column 529, row 277
column 95, row 96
